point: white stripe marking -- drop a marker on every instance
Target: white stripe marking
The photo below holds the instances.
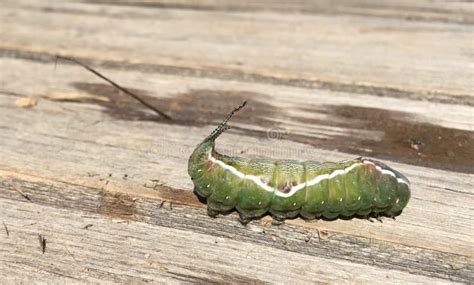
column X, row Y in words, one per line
column 257, row 180
column 232, row 169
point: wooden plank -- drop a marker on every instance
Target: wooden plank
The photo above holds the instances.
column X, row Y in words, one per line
column 106, row 178
column 371, row 55
column 147, row 242
column 87, row 149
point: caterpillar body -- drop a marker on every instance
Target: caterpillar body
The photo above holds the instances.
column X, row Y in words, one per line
column 288, row 188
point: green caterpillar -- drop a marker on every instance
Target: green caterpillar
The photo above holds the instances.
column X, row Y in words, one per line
column 287, row 188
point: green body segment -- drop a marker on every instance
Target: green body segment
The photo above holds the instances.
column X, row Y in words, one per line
column 255, row 187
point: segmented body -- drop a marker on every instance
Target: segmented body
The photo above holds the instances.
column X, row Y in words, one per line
column 286, row 188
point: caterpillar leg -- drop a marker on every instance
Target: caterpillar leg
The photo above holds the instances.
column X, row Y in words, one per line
column 309, row 217
column 373, row 218
column 277, row 221
column 244, row 220
column 369, row 219
column 212, row 213
column 378, row 217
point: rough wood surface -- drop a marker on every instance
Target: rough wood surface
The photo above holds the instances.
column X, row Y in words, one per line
column 324, row 82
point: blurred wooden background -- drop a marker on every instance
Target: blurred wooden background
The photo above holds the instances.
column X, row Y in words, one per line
column 104, row 180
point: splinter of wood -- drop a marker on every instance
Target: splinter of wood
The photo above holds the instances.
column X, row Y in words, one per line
column 86, row 227
column 42, row 242
column 6, row 229
column 19, row 191
column 123, row 89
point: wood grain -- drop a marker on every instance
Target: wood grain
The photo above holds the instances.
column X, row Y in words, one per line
column 107, row 179
column 182, row 243
column 443, row 11
column 95, row 150
column 312, row 49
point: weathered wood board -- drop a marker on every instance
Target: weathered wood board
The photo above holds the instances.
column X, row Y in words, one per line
column 391, row 81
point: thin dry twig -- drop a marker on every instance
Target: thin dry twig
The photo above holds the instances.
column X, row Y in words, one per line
column 42, row 242
column 6, row 229
column 70, row 254
column 19, row 191
column 123, row 89
column 86, row 227
column 161, row 204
